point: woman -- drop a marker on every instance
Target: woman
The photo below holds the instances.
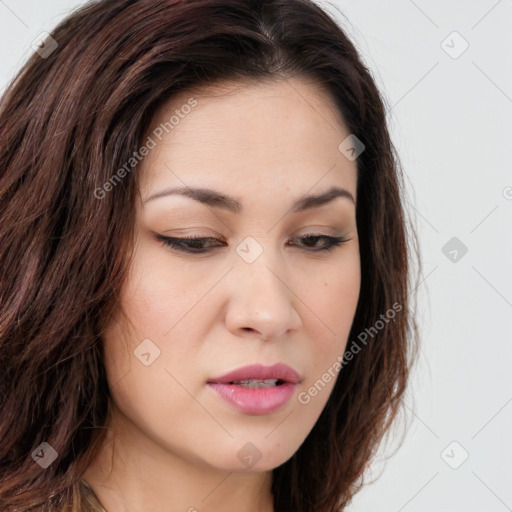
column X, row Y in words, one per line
column 204, row 261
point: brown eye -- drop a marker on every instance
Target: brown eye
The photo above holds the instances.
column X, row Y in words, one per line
column 330, row 242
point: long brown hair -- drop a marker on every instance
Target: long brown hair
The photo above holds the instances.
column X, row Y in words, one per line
column 69, row 121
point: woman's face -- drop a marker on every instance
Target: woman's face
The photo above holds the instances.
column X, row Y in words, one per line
column 258, row 291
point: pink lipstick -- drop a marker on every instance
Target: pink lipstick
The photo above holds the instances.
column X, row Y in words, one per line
column 257, row 389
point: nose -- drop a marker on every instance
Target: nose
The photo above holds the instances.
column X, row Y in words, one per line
column 261, row 302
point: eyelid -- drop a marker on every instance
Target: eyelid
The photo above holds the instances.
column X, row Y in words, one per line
column 319, row 230
column 311, row 232
column 177, row 244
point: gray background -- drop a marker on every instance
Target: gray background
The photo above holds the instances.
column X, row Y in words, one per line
column 450, row 117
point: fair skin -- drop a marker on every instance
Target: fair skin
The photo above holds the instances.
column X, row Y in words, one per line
column 176, row 441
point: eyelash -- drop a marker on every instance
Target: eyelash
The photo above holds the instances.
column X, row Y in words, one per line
column 180, row 244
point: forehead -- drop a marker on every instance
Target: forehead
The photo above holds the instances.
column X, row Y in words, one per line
column 280, row 134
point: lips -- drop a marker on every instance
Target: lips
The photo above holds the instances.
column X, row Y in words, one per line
column 279, row 371
column 257, row 389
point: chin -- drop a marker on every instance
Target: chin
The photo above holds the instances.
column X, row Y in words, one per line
column 258, row 455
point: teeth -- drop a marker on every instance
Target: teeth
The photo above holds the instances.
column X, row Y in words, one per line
column 256, row 383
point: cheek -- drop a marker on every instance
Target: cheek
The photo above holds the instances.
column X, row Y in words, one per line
column 331, row 293
column 158, row 292
column 336, row 304
column 140, row 383
column 332, row 296
column 149, row 330
column 339, row 299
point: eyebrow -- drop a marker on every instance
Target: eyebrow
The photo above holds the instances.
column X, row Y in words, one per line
column 218, row 200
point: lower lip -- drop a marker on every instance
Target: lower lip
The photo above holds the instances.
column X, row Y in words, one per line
column 255, row 400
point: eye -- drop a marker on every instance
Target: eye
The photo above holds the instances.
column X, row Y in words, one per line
column 189, row 245
column 330, row 242
column 200, row 245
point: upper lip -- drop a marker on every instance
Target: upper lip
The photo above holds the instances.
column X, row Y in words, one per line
column 257, row 371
